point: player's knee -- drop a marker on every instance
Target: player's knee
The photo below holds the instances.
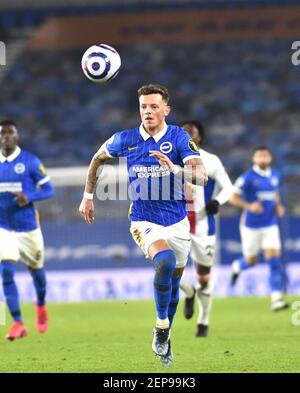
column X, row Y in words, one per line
column 203, row 275
column 178, row 271
column 165, row 263
column 251, row 260
column 269, row 254
column 203, row 279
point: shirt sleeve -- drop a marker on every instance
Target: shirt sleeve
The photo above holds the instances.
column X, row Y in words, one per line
column 187, row 148
column 38, row 172
column 224, row 182
column 113, row 146
column 241, row 184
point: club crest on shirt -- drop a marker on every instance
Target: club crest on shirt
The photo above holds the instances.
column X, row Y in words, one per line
column 19, row 168
column 193, row 146
column 166, row 147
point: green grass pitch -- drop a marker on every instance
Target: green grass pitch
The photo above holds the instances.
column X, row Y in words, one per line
column 115, row 336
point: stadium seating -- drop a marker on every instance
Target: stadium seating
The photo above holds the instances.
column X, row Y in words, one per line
column 246, row 93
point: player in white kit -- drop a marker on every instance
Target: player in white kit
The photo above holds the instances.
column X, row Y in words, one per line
column 204, row 203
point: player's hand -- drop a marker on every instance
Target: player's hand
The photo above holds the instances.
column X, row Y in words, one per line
column 21, row 199
column 86, row 210
column 212, row 207
column 255, row 207
column 163, row 160
column 280, row 210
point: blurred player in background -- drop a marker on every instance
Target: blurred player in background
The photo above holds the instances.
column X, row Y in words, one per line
column 257, row 192
column 204, row 203
column 23, row 181
column 157, row 155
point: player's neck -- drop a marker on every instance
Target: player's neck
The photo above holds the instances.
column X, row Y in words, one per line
column 264, row 171
column 8, row 151
column 262, row 168
column 154, row 130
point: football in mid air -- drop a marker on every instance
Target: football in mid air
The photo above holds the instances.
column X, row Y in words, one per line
column 101, row 63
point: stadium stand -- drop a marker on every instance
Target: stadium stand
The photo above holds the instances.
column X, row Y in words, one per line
column 57, row 107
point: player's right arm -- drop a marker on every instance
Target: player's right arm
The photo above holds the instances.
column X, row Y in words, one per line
column 236, row 199
column 109, row 149
column 86, row 208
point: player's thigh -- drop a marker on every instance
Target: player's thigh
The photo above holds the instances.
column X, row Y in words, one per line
column 31, row 248
column 178, row 237
column 271, row 243
column 9, row 250
column 251, row 241
column 203, row 249
column 146, row 233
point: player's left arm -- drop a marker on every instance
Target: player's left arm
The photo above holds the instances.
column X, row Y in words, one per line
column 44, row 188
column 226, row 188
column 280, row 209
column 194, row 170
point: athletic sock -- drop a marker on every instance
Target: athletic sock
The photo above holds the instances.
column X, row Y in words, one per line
column 186, row 286
column 165, row 262
column 10, row 290
column 39, row 281
column 204, row 298
column 276, row 277
column 174, row 299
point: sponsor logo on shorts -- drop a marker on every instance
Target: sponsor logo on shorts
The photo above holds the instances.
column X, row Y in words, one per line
column 137, row 237
column 210, row 250
column 38, row 255
column 148, row 230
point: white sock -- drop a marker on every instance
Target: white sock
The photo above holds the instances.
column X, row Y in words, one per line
column 275, row 296
column 204, row 297
column 236, row 266
column 162, row 323
column 186, row 286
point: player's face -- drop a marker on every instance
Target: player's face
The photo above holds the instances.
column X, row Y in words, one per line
column 153, row 111
column 262, row 158
column 8, row 137
column 193, row 133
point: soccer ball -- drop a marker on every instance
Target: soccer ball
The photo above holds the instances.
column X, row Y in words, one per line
column 101, row 63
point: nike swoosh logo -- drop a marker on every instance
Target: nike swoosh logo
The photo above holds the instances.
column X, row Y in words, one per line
column 132, row 148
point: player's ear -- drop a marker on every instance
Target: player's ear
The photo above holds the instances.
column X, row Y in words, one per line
column 167, row 110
